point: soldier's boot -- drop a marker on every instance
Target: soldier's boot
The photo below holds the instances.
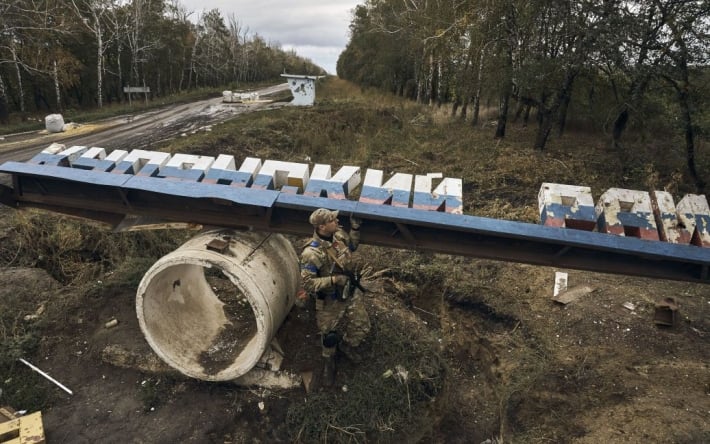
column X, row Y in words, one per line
column 328, row 374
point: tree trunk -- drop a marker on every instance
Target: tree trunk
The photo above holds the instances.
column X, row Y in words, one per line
column 690, row 144
column 20, row 88
column 547, row 114
column 479, row 80
column 99, row 65
column 544, row 129
column 619, row 126
column 518, row 111
column 431, row 80
column 192, row 62
column 455, row 107
column 476, row 106
column 4, row 113
column 687, row 120
column 562, row 115
column 57, row 89
column 503, row 114
column 120, row 71
column 439, row 83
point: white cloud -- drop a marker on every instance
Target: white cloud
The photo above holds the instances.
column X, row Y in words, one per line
column 315, row 29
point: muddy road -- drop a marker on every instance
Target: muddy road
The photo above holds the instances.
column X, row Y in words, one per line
column 139, row 131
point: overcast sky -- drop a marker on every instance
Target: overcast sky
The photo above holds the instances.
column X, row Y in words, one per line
column 315, row 29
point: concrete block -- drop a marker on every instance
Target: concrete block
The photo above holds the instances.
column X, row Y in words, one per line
column 694, row 214
column 446, row 197
column 626, row 213
column 274, row 174
column 670, row 228
column 396, row 191
column 566, row 206
column 187, row 167
column 321, row 184
column 142, row 163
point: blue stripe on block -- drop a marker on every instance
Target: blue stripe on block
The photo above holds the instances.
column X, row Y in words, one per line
column 228, row 177
column 427, row 201
column 326, row 188
column 50, row 159
column 558, row 211
column 123, row 167
column 263, row 182
column 87, row 163
column 181, row 173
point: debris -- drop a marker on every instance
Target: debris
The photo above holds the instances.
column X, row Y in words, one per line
column 7, row 414
column 269, row 379
column 46, row 376
column 54, row 123
column 666, row 312
column 307, row 378
column 401, row 374
column 35, row 315
column 560, row 283
column 112, row 323
column 572, row 294
column 629, row 306
column 218, row 245
column 27, row 429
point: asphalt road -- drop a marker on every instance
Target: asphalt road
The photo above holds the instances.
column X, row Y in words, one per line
column 138, row 131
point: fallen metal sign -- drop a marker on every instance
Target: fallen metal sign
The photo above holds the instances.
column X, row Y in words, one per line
column 416, row 212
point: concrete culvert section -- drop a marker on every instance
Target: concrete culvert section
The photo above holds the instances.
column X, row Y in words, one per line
column 211, row 308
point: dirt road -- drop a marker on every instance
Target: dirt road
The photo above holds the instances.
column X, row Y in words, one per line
column 139, row 131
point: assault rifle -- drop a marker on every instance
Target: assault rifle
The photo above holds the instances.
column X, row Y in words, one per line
column 353, row 281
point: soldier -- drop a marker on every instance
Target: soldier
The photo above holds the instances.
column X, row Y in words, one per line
column 342, row 320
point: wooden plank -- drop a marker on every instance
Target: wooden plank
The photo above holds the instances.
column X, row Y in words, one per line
column 9, row 430
column 7, row 414
column 24, row 430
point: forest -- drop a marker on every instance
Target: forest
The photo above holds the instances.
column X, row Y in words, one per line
column 609, row 66
column 60, row 54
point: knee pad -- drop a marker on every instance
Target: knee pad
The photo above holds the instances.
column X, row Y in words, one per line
column 330, row 339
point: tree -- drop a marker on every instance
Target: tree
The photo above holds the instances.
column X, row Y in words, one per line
column 27, row 29
column 688, row 31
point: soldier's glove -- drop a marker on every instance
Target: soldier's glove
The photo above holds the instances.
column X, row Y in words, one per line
column 339, row 279
column 301, row 298
column 355, row 223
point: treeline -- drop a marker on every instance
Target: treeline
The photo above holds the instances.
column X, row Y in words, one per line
column 56, row 54
column 614, row 62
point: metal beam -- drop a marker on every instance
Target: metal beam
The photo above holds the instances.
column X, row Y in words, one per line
column 109, row 198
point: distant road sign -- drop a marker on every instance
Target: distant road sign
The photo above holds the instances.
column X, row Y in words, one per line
column 136, row 89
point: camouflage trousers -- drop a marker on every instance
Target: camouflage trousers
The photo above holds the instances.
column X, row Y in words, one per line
column 348, row 319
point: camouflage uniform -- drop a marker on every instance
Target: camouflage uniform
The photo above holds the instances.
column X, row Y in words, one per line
column 347, row 318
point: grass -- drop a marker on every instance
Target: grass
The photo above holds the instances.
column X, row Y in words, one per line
column 392, row 398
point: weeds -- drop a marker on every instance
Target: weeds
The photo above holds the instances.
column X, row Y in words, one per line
column 391, row 398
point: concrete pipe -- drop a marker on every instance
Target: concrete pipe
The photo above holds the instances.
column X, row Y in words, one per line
column 211, row 308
